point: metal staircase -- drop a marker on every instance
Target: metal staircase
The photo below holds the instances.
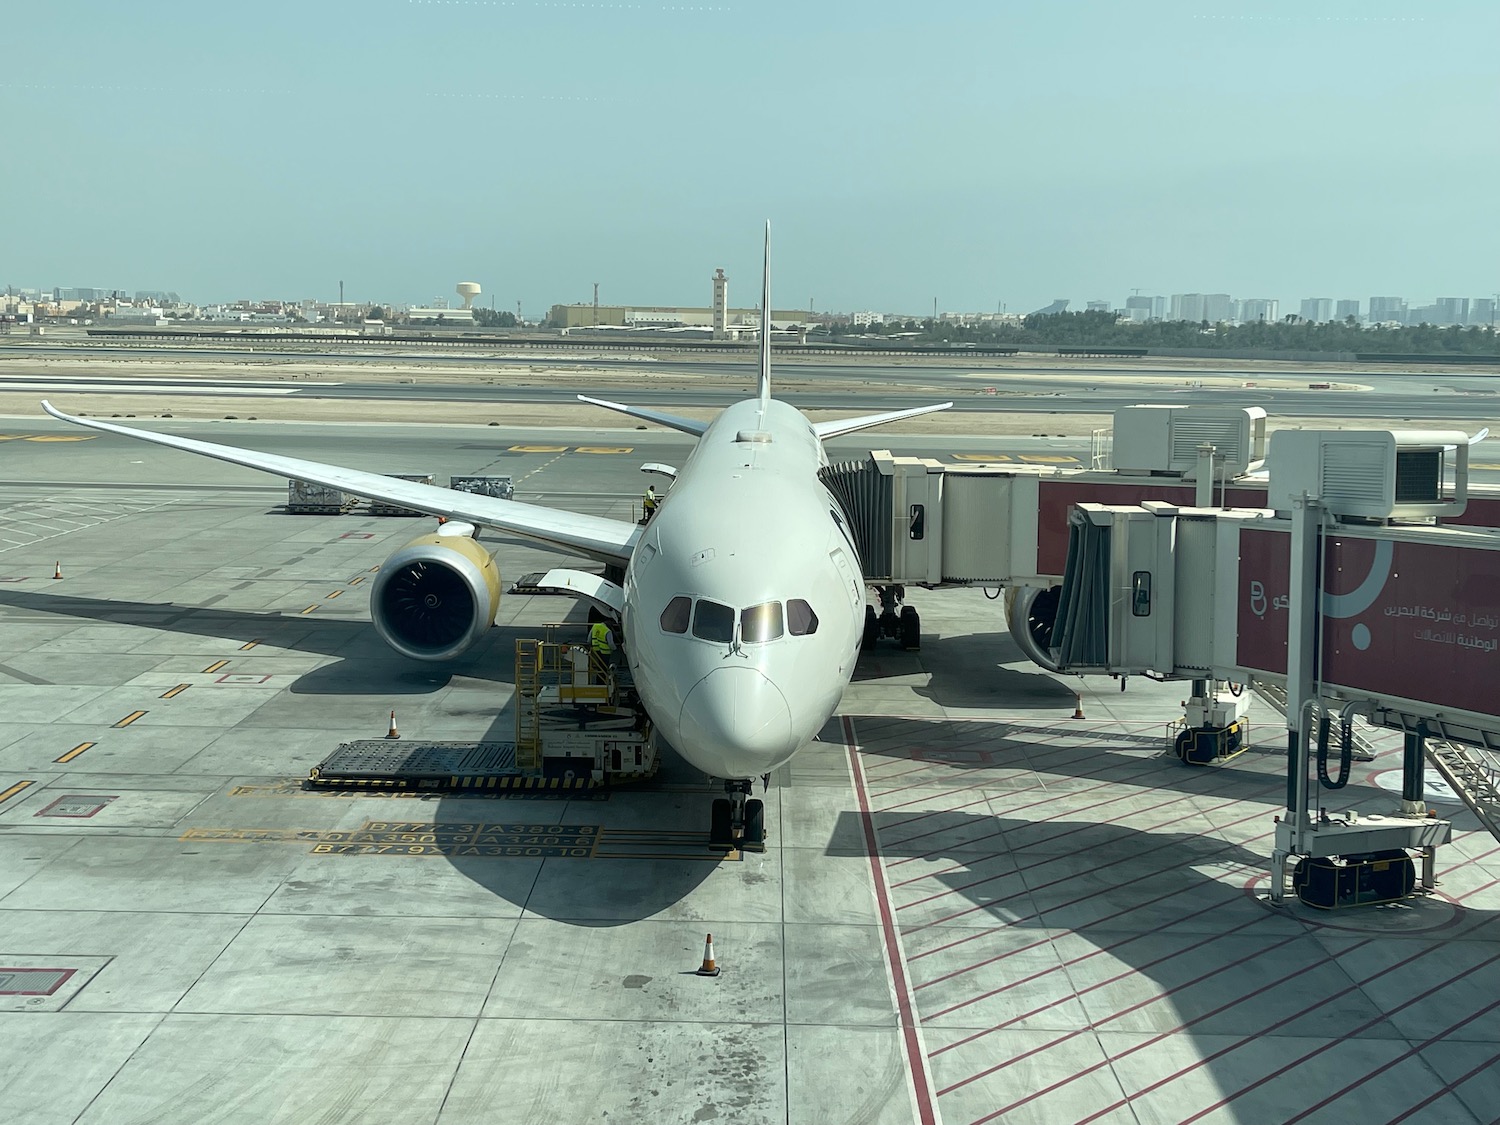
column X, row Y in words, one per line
column 1473, row 775
column 528, row 708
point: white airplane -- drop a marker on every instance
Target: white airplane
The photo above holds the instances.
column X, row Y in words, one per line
column 742, row 601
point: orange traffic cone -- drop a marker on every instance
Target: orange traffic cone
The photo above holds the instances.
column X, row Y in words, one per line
column 393, row 732
column 710, row 967
column 1078, row 705
column 57, row 569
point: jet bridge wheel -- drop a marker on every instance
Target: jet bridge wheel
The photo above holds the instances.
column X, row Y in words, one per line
column 872, row 629
column 911, row 629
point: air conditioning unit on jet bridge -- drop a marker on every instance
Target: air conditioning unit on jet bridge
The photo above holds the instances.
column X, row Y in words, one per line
column 1371, row 474
column 1165, row 439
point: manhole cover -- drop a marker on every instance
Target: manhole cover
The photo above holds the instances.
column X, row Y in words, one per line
column 77, row 806
column 33, row 982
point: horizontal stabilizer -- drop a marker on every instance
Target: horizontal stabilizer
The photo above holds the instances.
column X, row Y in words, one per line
column 841, row 426
column 595, row 536
column 686, row 425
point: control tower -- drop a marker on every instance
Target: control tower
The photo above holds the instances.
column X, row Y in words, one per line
column 721, row 305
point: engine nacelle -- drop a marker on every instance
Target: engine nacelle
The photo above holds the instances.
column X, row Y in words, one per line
column 1030, row 612
column 437, row 595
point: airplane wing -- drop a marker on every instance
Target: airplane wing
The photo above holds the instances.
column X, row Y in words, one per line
column 595, row 536
column 686, row 425
column 841, row 426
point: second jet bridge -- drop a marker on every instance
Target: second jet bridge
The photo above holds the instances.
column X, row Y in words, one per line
column 916, row 521
column 1348, row 592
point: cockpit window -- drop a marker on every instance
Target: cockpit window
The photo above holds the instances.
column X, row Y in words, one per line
column 761, row 622
column 713, row 622
column 674, row 619
column 800, row 618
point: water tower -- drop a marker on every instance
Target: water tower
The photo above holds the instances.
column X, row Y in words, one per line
column 468, row 290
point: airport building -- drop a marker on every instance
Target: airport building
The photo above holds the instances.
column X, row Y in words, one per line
column 719, row 320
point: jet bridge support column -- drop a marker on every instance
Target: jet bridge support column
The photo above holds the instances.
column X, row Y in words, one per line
column 1413, row 803
column 1360, row 859
column 1301, row 645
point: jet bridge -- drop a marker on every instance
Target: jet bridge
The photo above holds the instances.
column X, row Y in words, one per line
column 918, row 522
column 1355, row 590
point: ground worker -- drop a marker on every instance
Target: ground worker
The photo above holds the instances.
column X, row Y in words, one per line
column 602, row 644
column 648, row 503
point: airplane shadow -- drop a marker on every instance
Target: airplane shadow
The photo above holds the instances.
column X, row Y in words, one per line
column 1011, row 923
column 661, row 825
column 651, row 856
column 967, row 670
column 366, row 665
column 1065, row 748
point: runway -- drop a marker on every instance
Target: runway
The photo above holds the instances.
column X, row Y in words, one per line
column 974, row 908
column 877, row 383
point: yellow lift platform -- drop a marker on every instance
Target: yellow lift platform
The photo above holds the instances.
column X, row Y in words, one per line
column 579, row 726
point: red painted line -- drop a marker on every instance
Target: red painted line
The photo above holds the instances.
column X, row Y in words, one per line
column 984, row 933
column 904, row 773
column 1410, row 1052
column 1335, row 1042
column 1015, row 808
column 1134, row 970
column 1446, row 1090
column 1126, row 1011
column 1278, row 1024
column 1051, row 840
column 1100, row 949
column 1012, row 808
column 1048, row 796
column 1074, row 902
column 1037, row 757
column 916, row 1056
column 1042, row 863
column 1031, row 766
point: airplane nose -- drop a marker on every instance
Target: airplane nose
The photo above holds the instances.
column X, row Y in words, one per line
column 741, row 717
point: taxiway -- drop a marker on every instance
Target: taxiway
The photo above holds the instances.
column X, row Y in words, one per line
column 974, row 908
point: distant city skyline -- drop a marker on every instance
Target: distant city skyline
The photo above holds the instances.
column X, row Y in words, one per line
column 1212, row 307
column 979, row 153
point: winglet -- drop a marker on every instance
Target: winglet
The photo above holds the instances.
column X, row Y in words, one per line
column 686, row 425
column 763, row 388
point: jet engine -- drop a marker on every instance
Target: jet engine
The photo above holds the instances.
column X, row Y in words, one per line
column 437, row 595
column 1030, row 612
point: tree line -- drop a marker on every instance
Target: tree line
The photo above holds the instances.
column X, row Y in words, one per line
column 1108, row 330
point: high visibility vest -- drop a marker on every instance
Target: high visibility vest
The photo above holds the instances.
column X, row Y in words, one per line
column 648, row 501
column 599, row 639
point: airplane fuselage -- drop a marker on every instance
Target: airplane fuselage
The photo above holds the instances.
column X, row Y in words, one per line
column 744, row 602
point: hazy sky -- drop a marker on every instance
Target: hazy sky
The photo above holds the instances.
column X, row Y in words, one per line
column 976, row 151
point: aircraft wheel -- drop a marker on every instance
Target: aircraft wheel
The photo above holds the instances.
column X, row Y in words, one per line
column 720, row 831
column 755, row 826
column 872, row 629
column 911, row 629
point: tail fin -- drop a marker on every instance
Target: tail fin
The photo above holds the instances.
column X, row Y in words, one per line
column 763, row 388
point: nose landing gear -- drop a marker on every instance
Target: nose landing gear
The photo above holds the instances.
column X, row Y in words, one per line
column 738, row 821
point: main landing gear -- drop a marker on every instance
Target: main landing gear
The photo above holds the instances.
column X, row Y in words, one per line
column 903, row 624
column 739, row 821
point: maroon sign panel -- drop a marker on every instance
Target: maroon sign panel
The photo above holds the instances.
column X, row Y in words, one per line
column 1055, row 499
column 1415, row 620
column 1265, row 587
